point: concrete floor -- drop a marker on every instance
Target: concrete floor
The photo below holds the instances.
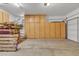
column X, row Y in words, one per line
column 35, row 47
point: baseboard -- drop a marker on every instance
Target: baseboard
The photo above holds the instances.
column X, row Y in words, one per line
column 73, row 41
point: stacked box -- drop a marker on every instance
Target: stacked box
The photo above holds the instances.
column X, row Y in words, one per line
column 8, row 39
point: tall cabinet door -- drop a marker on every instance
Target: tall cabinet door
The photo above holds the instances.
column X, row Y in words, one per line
column 47, row 36
column 42, row 30
column 27, row 27
column 63, row 30
column 31, row 26
column 52, row 31
column 58, row 30
column 42, row 27
column 37, row 32
column 36, row 26
column 27, row 31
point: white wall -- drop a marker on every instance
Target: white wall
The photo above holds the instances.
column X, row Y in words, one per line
column 55, row 18
column 73, row 25
column 72, row 29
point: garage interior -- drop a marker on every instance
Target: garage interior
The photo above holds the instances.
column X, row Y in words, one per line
column 39, row 29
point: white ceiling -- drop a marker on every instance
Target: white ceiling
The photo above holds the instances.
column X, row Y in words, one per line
column 54, row 9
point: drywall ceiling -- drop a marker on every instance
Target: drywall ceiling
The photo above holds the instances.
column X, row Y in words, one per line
column 54, row 9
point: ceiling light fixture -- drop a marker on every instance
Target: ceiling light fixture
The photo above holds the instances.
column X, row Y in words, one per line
column 17, row 4
column 46, row 4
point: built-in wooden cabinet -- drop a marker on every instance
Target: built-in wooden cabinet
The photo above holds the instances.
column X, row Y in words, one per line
column 37, row 27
